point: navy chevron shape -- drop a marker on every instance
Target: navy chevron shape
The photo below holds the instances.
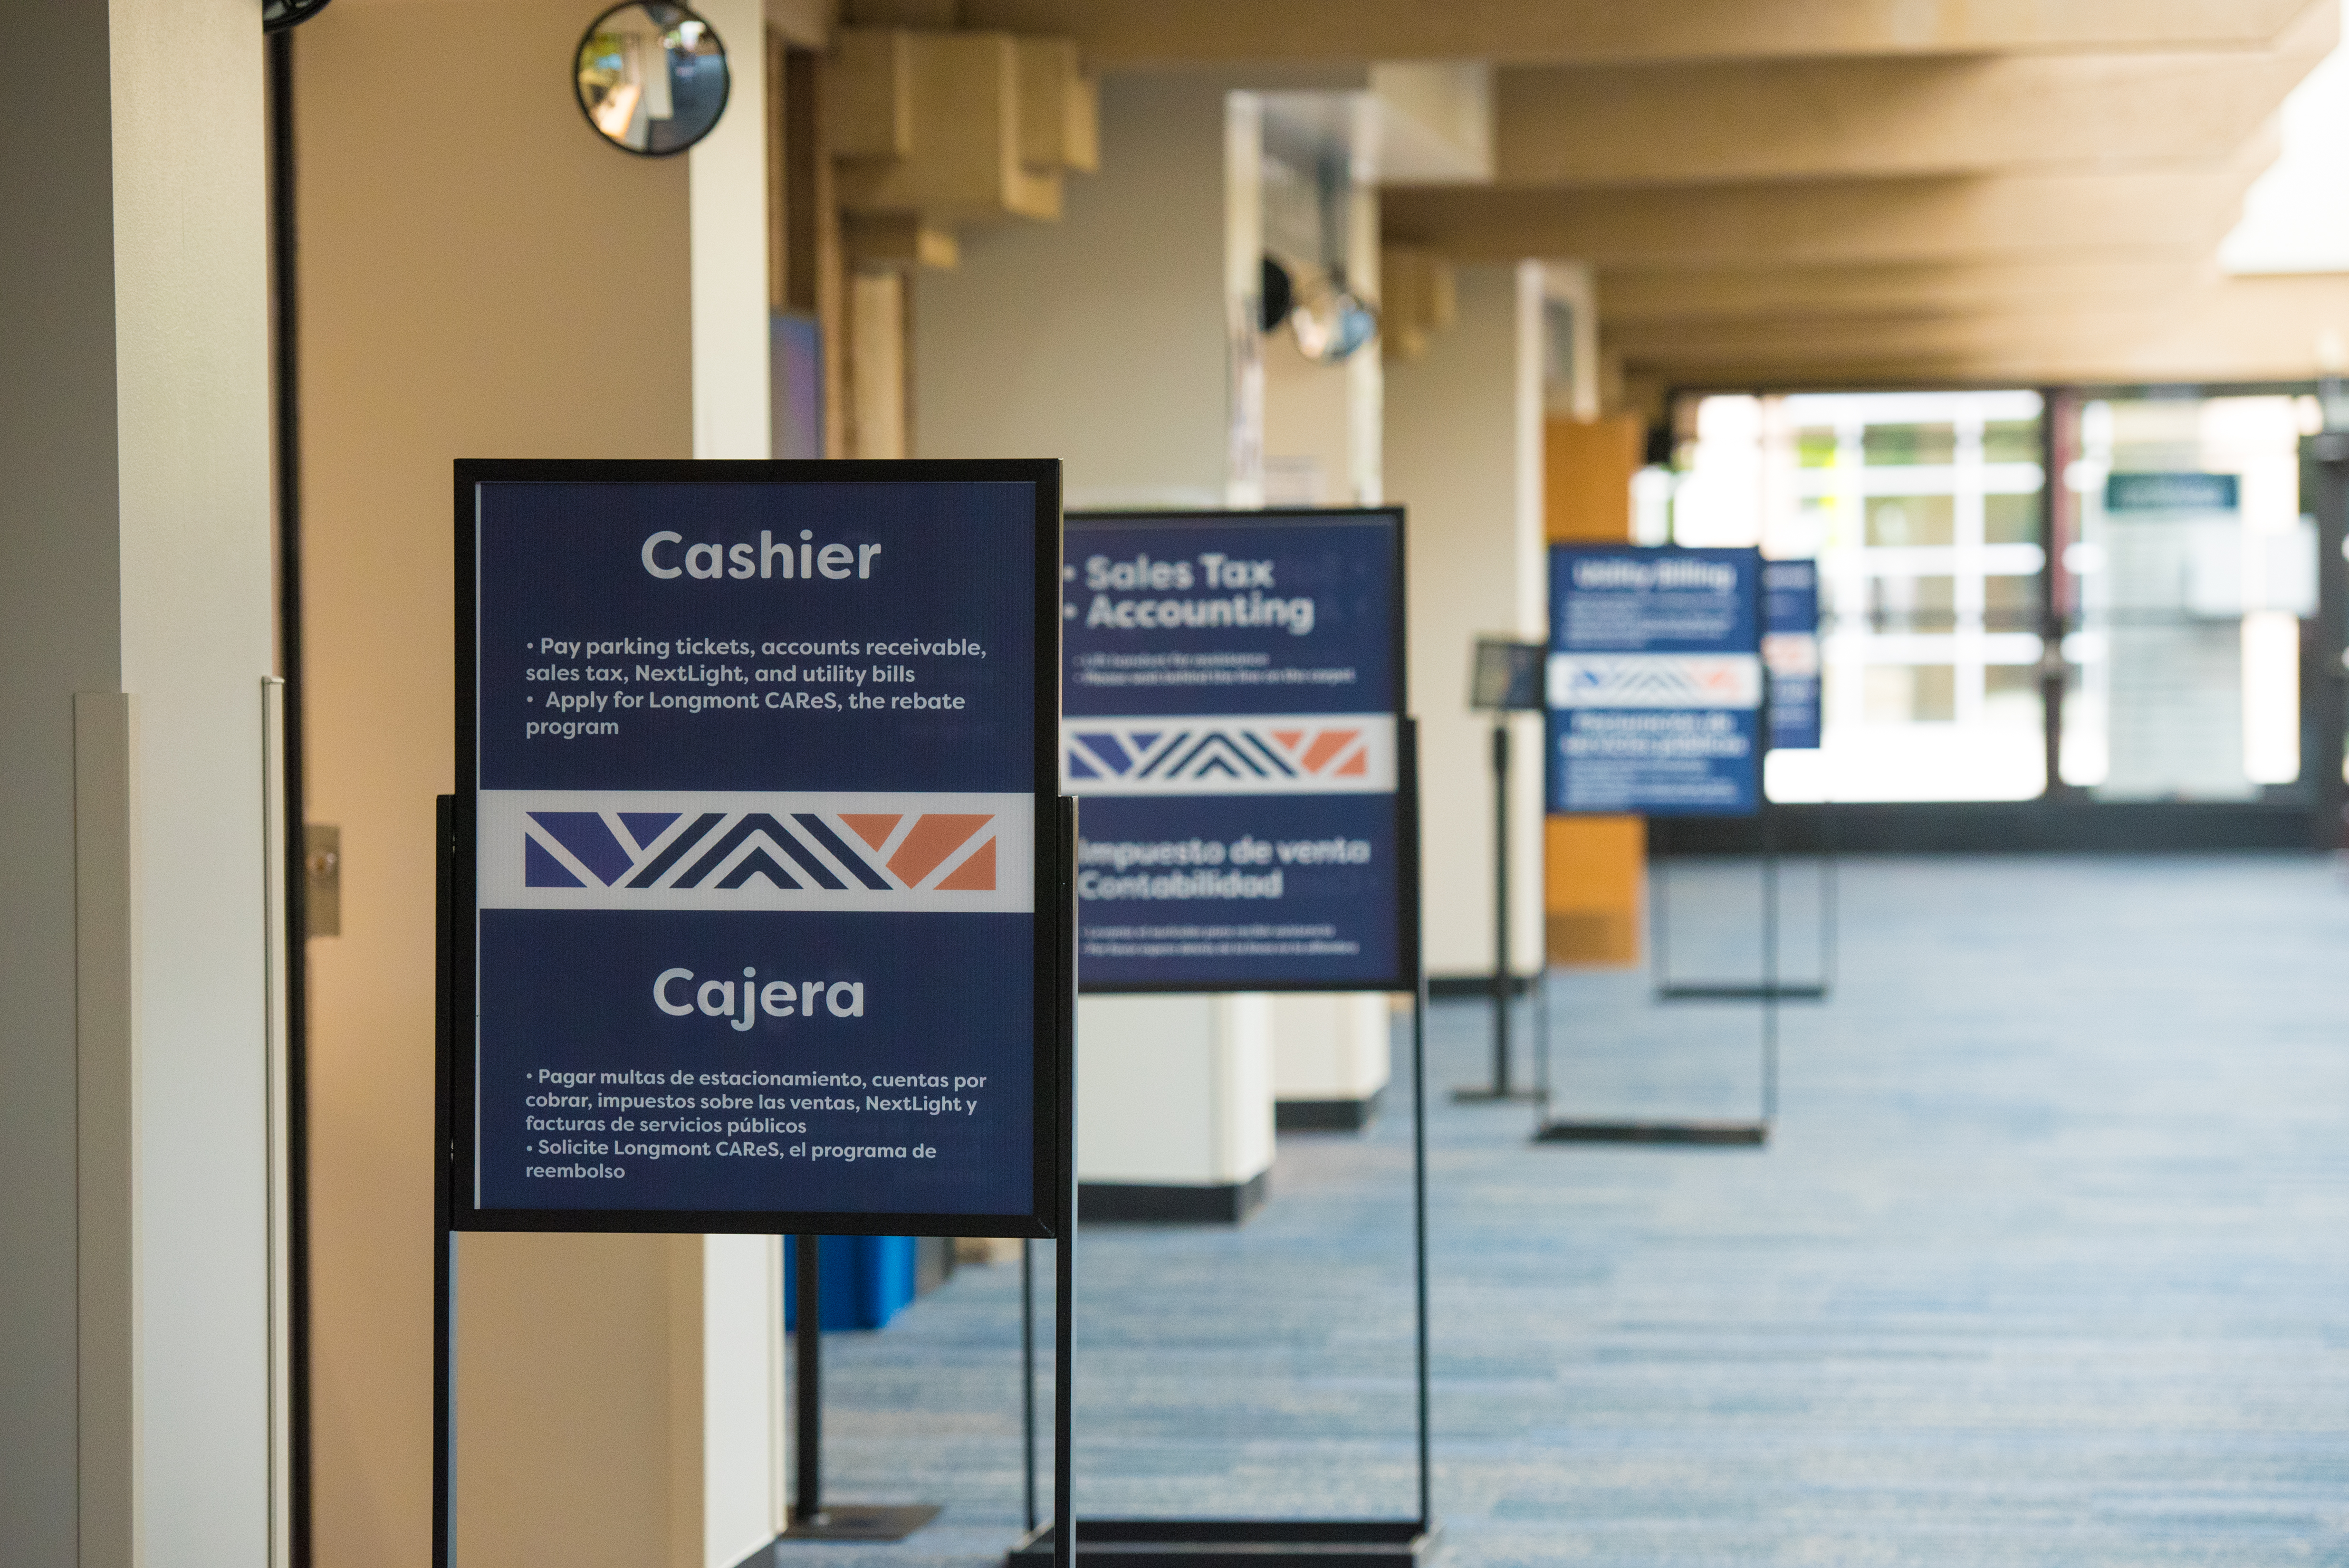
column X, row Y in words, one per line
column 759, row 822
column 838, row 848
column 588, row 836
column 692, row 835
column 757, row 862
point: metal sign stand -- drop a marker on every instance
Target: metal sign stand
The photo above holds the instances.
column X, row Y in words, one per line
column 1046, row 1206
column 1251, row 1542
column 1503, row 980
column 1047, row 1542
column 1769, row 991
column 810, row 1519
column 1659, row 930
column 444, row 1168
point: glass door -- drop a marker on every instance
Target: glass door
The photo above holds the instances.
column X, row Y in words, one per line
column 2192, row 569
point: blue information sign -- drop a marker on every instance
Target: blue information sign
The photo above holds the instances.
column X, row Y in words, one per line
column 1231, row 699
column 1655, row 681
column 758, row 766
column 2172, row 492
column 1790, row 652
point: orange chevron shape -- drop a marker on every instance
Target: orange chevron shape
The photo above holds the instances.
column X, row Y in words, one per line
column 1289, row 738
column 930, row 841
column 1357, row 766
column 873, row 827
column 1327, row 745
column 976, row 874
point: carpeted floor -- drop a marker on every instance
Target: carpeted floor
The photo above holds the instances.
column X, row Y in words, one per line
column 2046, row 1263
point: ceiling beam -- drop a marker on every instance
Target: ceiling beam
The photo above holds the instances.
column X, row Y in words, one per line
column 2240, row 329
column 2179, row 210
column 1582, row 126
column 1856, row 339
column 1637, row 297
column 1128, row 34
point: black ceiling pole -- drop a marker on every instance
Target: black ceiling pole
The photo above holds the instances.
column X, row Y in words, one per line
column 2325, row 691
column 287, row 438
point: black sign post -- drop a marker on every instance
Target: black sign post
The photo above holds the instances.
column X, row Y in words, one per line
column 1506, row 677
column 756, row 894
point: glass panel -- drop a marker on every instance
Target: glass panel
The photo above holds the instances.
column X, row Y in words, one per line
column 2011, row 441
column 1926, row 512
column 2011, row 519
column 1913, row 604
column 2009, row 687
column 1891, row 446
column 2193, row 566
column 2011, row 604
column 1912, row 519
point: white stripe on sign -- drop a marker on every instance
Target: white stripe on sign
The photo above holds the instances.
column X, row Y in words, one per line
column 1655, row 680
column 932, row 853
column 1255, row 754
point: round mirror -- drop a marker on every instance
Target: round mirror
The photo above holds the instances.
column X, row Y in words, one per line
column 1329, row 319
column 276, row 16
column 652, row 78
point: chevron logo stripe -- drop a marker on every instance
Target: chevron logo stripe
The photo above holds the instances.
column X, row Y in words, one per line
column 1655, row 680
column 649, row 849
column 1299, row 754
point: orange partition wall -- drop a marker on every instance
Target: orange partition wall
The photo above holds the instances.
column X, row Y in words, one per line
column 1594, row 868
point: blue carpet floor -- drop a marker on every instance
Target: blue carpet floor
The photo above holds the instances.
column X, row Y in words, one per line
column 2046, row 1263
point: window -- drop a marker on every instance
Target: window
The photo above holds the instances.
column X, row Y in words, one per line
column 2191, row 568
column 1927, row 513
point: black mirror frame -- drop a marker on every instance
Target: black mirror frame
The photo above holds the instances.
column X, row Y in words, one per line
column 724, row 102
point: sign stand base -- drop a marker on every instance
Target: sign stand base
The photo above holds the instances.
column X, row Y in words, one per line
column 1696, row 1131
column 861, row 1522
column 1258, row 1542
column 1770, row 986
column 1724, row 1132
column 1237, row 1542
column 812, row 1518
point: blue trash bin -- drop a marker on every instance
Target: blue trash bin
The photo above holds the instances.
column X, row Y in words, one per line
column 862, row 1281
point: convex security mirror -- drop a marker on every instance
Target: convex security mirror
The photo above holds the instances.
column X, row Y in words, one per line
column 1329, row 319
column 276, row 16
column 652, row 78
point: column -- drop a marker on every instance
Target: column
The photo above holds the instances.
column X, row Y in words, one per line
column 135, row 636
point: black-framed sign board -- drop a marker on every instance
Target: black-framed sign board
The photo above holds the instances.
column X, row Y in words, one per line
column 757, row 925
column 1655, row 683
column 1233, row 720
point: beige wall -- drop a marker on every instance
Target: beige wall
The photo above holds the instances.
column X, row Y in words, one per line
column 480, row 277
column 134, row 638
column 541, row 1480
column 1462, row 426
column 1098, row 340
